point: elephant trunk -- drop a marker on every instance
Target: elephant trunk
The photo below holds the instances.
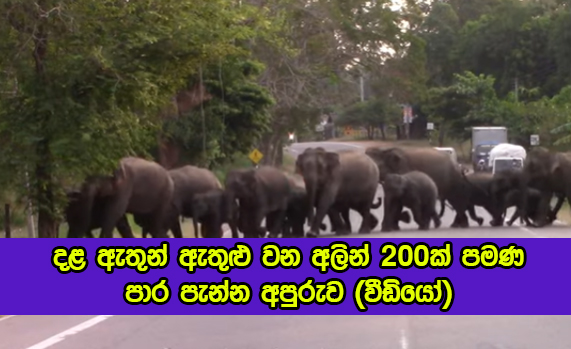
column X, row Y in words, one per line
column 522, row 206
column 233, row 211
column 86, row 202
column 311, row 188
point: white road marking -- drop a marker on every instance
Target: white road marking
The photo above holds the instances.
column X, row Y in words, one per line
column 70, row 332
column 527, row 230
column 403, row 339
column 6, row 317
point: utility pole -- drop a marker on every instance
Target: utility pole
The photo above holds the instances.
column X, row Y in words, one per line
column 362, row 85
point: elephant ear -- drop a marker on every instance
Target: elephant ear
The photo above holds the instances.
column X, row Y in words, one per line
column 331, row 161
column 556, row 170
column 393, row 161
column 299, row 163
column 249, row 181
column 119, row 176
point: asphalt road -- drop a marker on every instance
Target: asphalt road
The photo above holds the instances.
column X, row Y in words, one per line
column 557, row 230
column 327, row 332
column 285, row 332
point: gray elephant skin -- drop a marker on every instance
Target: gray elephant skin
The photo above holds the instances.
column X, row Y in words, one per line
column 414, row 190
column 261, row 193
column 138, row 186
column 533, row 196
column 188, row 181
column 337, row 182
column 510, row 188
column 550, row 173
column 481, row 189
column 74, row 217
column 211, row 209
column 448, row 177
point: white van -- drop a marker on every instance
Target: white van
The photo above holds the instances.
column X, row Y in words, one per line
column 503, row 163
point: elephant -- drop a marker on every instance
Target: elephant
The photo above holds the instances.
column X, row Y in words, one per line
column 188, row 181
column 137, row 186
column 74, row 219
column 414, row 190
column 550, row 173
column 337, row 182
column 448, row 177
column 480, row 191
column 211, row 210
column 514, row 198
column 261, row 192
column 506, row 189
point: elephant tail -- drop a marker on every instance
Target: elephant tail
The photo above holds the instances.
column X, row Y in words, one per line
column 442, row 207
column 378, row 204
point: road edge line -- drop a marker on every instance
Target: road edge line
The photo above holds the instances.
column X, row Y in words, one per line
column 6, row 317
column 69, row 332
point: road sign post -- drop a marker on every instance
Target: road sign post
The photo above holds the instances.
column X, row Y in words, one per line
column 255, row 156
column 534, row 140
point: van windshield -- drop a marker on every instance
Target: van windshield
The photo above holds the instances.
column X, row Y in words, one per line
column 507, row 164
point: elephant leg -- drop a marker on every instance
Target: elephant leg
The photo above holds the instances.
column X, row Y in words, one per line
column 419, row 216
column 257, row 229
column 497, row 220
column 396, row 216
column 374, row 221
column 386, row 224
column 461, row 220
column 124, row 228
column 543, row 210
column 515, row 216
column 176, row 229
column 435, row 217
column 113, row 211
column 277, row 223
column 325, row 203
column 392, row 213
column 560, row 200
column 473, row 216
column 337, row 220
column 158, row 226
column 368, row 219
column 346, row 218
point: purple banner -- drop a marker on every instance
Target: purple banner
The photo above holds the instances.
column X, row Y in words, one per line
column 284, row 276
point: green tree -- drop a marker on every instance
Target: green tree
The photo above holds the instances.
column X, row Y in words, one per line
column 510, row 44
column 440, row 32
column 470, row 101
column 231, row 122
column 88, row 79
column 370, row 114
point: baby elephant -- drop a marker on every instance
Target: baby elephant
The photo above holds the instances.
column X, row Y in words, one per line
column 211, row 209
column 414, row 190
column 514, row 198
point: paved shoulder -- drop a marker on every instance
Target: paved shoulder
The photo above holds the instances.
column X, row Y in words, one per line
column 25, row 331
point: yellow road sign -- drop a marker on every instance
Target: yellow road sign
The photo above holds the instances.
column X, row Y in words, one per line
column 256, row 156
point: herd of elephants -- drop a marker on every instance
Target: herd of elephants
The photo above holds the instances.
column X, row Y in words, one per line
column 324, row 184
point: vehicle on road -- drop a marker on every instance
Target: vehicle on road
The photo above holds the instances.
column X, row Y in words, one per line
column 506, row 150
column 484, row 139
column 503, row 163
